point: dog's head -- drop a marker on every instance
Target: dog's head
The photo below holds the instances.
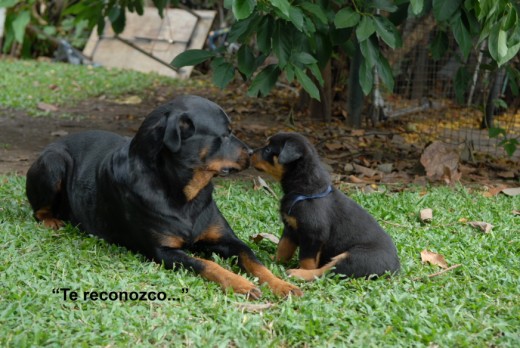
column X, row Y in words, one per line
column 190, row 134
column 282, row 155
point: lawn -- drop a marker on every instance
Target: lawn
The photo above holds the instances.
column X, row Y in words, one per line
column 474, row 305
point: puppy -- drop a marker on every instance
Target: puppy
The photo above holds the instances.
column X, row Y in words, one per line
column 153, row 193
column 330, row 229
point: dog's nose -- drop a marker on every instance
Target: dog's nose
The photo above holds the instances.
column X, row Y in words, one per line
column 250, row 151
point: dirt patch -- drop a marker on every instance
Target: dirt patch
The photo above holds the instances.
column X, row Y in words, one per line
column 361, row 156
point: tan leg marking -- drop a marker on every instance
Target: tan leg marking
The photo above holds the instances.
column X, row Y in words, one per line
column 312, row 274
column 285, row 250
column 264, row 275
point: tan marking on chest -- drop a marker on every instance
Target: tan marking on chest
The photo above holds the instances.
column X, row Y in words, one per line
column 291, row 221
column 201, row 179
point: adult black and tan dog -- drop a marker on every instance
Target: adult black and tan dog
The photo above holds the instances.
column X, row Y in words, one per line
column 330, row 229
column 153, row 193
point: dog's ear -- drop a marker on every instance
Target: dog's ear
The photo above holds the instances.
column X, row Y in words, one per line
column 178, row 128
column 291, row 151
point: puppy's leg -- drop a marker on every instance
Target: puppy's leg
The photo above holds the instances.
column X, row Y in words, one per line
column 45, row 186
column 209, row 270
column 368, row 263
column 286, row 248
column 312, row 274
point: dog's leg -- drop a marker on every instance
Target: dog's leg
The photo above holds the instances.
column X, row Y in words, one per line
column 248, row 261
column 310, row 251
column 312, row 274
column 209, row 270
column 285, row 250
column 45, row 188
column 220, row 238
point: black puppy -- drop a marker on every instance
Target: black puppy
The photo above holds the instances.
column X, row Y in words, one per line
column 330, row 228
column 153, row 193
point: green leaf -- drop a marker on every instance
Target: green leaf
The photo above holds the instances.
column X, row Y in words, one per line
column 307, row 83
column 366, row 77
column 160, row 4
column 241, row 30
column 114, row 13
column 388, row 32
column 346, row 18
column 296, row 17
column 316, row 72
column 510, row 146
column 510, row 20
column 264, row 34
column 8, row 3
column 502, row 44
column 462, row 36
column 417, row 6
column 439, row 45
column 500, row 103
column 445, row 9
column 493, row 42
column 304, row 58
column 246, row 61
column 289, row 73
column 19, row 24
column 243, row 8
column 365, row 28
column 385, row 5
column 384, row 71
column 118, row 24
column 369, row 51
column 223, row 72
column 315, row 10
column 496, row 131
column 281, row 43
column 264, row 81
column 282, row 5
column 191, row 57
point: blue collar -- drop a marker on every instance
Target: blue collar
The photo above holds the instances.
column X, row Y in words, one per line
column 295, row 197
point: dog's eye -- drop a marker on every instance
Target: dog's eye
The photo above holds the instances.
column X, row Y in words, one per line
column 267, row 150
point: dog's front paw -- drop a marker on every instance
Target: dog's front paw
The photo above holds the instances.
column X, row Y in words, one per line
column 246, row 288
column 284, row 289
column 55, row 224
column 303, row 274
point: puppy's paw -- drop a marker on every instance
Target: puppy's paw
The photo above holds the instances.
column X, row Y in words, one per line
column 55, row 224
column 308, row 275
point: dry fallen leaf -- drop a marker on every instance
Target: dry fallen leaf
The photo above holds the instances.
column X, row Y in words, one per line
column 511, row 191
column 483, row 226
column 130, row 100
column 433, row 258
column 59, row 133
column 254, row 307
column 47, row 107
column 493, row 191
column 364, row 170
column 262, row 184
column 260, row 236
column 426, row 215
column 516, row 212
column 441, row 162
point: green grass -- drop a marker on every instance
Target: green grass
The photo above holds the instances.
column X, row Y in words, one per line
column 475, row 305
column 24, row 84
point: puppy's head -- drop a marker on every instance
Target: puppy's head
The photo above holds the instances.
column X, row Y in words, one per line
column 281, row 154
column 192, row 133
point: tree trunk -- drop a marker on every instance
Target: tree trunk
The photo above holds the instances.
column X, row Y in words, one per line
column 355, row 94
column 494, row 92
column 322, row 110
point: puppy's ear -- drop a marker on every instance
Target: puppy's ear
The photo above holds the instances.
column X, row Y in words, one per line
column 291, row 151
column 178, row 128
